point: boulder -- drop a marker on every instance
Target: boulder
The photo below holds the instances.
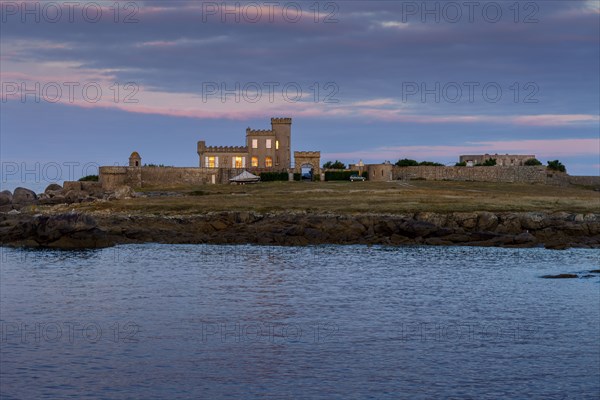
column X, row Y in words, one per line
column 466, row 220
column 74, row 196
column 124, row 192
column 53, row 187
column 23, row 196
column 6, row 198
column 487, row 221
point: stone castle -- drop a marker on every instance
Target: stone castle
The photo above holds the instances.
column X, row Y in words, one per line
column 269, row 150
column 266, row 150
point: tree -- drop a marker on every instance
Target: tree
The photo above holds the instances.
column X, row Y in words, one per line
column 460, row 164
column 405, row 162
column 532, row 162
column 431, row 164
column 334, row 165
column 89, row 178
column 490, row 162
column 556, row 166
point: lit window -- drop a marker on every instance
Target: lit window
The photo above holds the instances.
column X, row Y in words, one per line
column 268, row 162
column 255, row 161
column 277, row 145
column 211, row 162
column 255, row 143
column 239, row 163
column 268, row 143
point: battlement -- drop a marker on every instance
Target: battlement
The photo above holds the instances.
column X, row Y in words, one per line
column 281, row 121
column 259, row 132
column 307, row 154
column 226, row 149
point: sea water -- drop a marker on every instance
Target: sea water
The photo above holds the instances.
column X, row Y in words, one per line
column 203, row 321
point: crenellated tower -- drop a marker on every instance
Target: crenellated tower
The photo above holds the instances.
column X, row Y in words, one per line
column 282, row 129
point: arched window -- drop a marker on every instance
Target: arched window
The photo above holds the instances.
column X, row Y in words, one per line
column 268, row 162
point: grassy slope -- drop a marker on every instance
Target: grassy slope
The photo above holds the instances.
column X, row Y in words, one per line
column 361, row 197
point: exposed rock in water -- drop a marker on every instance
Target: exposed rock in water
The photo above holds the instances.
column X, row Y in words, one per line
column 595, row 271
column 560, row 276
column 69, row 230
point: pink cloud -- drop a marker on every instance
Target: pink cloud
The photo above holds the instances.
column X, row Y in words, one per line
column 540, row 148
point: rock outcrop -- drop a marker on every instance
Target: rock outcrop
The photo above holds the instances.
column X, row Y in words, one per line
column 506, row 229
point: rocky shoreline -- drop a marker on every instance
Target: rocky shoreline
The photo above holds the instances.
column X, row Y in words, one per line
column 72, row 230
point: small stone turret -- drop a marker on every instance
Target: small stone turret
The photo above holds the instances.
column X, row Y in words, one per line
column 135, row 160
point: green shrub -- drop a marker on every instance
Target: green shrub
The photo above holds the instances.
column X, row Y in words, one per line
column 405, row 162
column 334, row 165
column 89, row 178
column 297, row 176
column 556, row 166
column 460, row 164
column 316, row 177
column 430, row 164
column 532, row 162
column 365, row 174
column 339, row 175
column 490, row 162
column 274, row 176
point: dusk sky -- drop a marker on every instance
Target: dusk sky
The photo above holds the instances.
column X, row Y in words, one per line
column 379, row 80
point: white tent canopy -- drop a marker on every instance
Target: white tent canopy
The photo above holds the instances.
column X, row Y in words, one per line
column 245, row 177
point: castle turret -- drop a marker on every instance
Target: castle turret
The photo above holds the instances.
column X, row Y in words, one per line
column 135, row 160
column 282, row 128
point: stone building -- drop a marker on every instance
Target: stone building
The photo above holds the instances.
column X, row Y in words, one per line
column 502, row 160
column 264, row 149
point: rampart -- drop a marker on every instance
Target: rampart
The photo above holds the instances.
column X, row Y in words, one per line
column 143, row 177
column 522, row 174
column 482, row 174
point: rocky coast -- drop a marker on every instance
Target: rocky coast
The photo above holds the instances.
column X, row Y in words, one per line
column 89, row 221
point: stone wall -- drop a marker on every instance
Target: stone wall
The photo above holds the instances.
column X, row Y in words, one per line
column 482, row 174
column 584, row 180
column 114, row 177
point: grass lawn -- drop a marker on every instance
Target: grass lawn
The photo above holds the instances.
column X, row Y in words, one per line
column 359, row 197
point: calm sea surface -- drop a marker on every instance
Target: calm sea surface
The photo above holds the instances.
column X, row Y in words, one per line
column 186, row 321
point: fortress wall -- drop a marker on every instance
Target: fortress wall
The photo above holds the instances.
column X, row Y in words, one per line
column 482, row 174
column 584, row 180
column 164, row 177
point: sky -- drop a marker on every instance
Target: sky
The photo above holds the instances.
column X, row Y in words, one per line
column 86, row 83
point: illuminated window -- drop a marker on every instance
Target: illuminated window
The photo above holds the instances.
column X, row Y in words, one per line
column 277, row 145
column 255, row 161
column 268, row 162
column 239, row 162
column 211, row 162
column 255, row 143
column 268, row 143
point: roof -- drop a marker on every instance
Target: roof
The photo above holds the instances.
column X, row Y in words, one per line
column 135, row 154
